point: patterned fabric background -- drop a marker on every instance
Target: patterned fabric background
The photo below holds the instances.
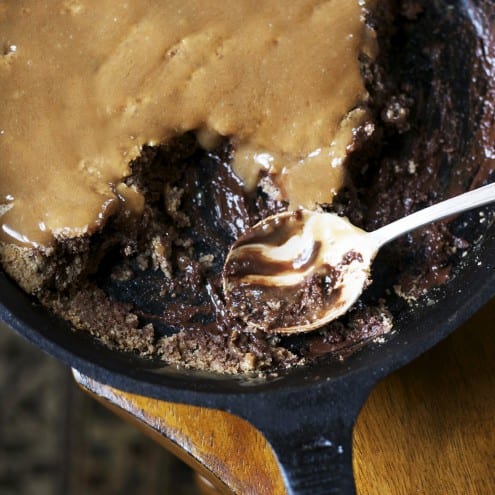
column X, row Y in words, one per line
column 55, row 440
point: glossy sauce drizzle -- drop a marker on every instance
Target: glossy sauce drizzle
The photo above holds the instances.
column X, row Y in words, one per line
column 87, row 83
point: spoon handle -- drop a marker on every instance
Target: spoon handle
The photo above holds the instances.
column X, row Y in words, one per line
column 472, row 199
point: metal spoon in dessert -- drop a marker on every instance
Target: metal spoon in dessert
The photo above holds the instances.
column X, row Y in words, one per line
column 296, row 271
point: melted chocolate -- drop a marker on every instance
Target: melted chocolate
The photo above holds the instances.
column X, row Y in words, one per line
column 253, row 262
column 274, row 233
column 273, row 307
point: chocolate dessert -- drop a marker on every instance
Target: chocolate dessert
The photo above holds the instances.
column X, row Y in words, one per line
column 139, row 142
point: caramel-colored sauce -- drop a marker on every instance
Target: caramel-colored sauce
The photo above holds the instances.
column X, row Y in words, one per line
column 85, row 84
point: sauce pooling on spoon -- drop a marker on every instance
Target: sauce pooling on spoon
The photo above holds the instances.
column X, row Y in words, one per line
column 295, row 270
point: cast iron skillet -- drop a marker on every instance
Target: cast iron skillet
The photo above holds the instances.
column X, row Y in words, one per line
column 308, row 414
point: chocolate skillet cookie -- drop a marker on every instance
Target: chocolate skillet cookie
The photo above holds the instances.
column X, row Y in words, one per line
column 138, row 140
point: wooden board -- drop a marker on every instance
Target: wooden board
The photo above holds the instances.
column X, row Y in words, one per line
column 427, row 429
column 430, row 427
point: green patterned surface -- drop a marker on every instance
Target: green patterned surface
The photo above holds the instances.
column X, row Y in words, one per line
column 55, row 440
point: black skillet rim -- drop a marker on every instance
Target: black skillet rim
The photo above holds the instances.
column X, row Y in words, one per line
column 425, row 327
column 422, row 331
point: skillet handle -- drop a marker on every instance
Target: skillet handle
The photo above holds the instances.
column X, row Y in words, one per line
column 312, row 437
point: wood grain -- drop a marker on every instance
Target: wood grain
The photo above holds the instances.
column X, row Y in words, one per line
column 430, row 427
column 427, row 429
column 225, row 449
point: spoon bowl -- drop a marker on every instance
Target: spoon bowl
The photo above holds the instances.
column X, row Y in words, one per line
column 296, row 271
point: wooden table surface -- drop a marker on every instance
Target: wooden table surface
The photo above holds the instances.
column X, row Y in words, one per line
column 427, row 429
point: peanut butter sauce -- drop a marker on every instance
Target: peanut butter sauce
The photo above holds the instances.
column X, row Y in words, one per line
column 85, row 84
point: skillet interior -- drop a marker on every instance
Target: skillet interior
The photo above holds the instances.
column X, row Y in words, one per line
column 461, row 67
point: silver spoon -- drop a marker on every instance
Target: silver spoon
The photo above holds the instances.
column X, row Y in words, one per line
column 296, row 271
